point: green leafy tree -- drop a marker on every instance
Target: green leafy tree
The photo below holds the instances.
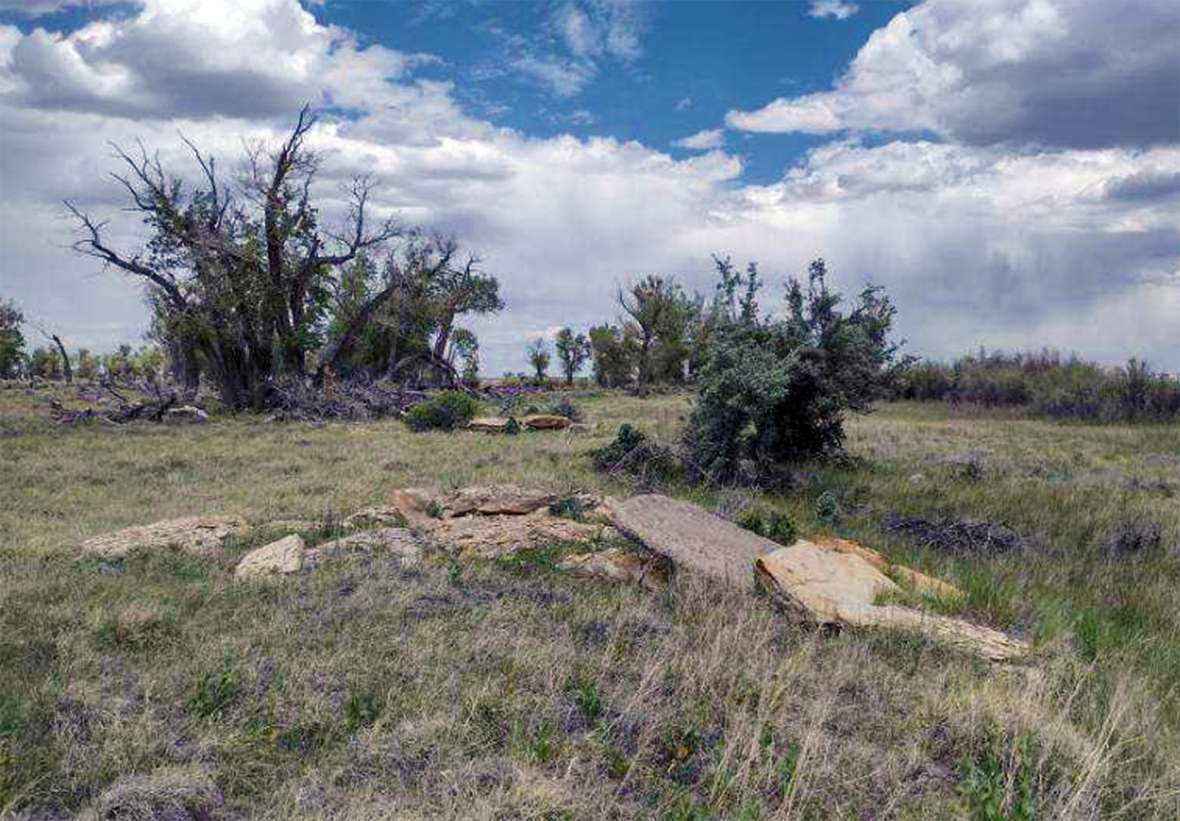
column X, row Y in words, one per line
column 655, row 313
column 538, row 354
column 12, row 341
column 777, row 390
column 411, row 331
column 87, row 364
column 45, row 362
column 612, row 355
column 572, row 352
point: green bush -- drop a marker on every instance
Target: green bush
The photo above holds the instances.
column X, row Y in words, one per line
column 1047, row 384
column 773, row 525
column 447, row 411
column 776, row 390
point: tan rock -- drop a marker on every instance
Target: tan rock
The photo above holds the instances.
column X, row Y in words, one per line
column 199, row 535
column 834, row 587
column 488, row 537
column 283, row 556
column 488, row 424
column 396, row 540
column 617, row 564
column 383, row 516
column 186, row 415
column 691, row 537
column 544, row 421
column 494, row 500
column 292, row 525
column 916, row 580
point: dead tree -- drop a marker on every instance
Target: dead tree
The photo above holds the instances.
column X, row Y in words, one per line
column 238, row 274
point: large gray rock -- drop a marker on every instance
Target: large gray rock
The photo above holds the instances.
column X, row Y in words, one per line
column 691, row 537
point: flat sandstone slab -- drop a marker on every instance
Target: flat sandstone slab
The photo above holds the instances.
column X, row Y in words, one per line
column 199, row 535
column 691, row 537
column 832, row 587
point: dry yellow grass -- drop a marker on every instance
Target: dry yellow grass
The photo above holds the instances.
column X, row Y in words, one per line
column 507, row 689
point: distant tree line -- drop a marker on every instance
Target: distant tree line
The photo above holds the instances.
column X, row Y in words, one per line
column 51, row 361
column 1046, row 383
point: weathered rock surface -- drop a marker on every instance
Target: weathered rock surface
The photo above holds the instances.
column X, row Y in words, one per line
column 492, row 500
column 916, row 580
column 534, row 421
column 186, row 415
column 544, row 421
column 619, row 565
column 398, row 541
column 691, row 537
column 489, row 537
column 199, row 535
column 488, row 424
column 283, row 556
column 384, row 516
column 835, row 587
column 292, row 525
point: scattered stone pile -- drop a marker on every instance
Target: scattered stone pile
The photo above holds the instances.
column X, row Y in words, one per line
column 827, row 581
column 490, row 521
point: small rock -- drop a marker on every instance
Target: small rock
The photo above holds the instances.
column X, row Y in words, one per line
column 186, row 415
column 283, row 556
column 396, row 540
column 544, row 421
column 385, row 516
column 199, row 535
column 489, row 537
column 488, row 424
column 917, row 478
column 616, row 564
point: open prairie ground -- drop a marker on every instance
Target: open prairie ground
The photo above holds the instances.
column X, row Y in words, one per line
column 509, row 689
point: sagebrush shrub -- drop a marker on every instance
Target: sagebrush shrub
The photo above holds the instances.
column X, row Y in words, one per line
column 776, row 390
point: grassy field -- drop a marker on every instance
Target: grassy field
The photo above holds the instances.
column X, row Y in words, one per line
column 507, row 689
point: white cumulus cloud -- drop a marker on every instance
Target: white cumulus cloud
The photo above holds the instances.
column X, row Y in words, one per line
column 1061, row 73
column 836, row 9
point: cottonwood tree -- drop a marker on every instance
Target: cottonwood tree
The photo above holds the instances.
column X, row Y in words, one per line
column 538, row 354
column 398, row 318
column 572, row 352
column 612, row 353
column 655, row 308
column 12, row 341
column 240, row 274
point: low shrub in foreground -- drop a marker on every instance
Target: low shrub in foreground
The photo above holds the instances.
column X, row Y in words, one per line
column 447, row 411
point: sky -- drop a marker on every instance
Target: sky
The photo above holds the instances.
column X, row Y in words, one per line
column 1009, row 171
